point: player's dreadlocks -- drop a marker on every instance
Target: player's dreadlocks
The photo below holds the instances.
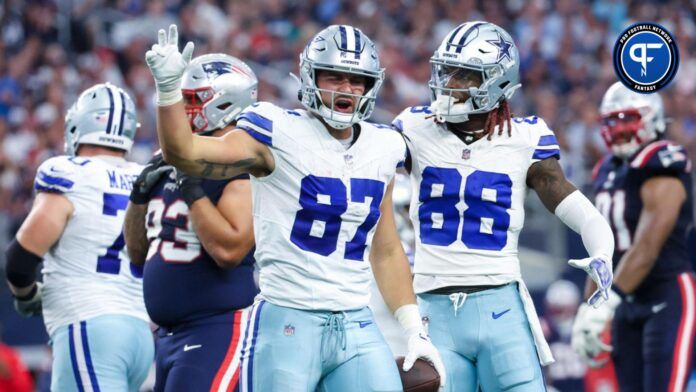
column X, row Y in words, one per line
column 498, row 117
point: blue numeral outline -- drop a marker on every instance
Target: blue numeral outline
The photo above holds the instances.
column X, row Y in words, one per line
column 312, row 210
column 472, row 217
column 110, row 263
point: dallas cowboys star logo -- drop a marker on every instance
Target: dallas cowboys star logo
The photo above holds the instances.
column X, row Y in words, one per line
column 503, row 48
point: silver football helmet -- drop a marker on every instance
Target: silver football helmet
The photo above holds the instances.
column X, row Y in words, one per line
column 484, row 49
column 630, row 119
column 216, row 88
column 103, row 115
column 344, row 49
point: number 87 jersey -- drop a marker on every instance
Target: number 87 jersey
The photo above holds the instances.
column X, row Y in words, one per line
column 467, row 206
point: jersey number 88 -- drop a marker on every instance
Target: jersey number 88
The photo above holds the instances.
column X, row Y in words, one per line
column 486, row 220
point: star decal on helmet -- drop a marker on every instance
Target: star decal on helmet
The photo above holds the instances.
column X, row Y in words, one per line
column 503, row 47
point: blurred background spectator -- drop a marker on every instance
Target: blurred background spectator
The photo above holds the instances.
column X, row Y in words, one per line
column 51, row 50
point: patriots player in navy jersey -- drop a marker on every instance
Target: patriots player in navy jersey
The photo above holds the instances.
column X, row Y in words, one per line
column 644, row 190
column 198, row 236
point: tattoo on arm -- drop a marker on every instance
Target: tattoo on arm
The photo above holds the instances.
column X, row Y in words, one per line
column 547, row 179
column 223, row 170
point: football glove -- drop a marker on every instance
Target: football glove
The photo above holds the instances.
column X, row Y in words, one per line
column 29, row 305
column 167, row 65
column 600, row 270
column 588, row 327
column 151, row 174
column 189, row 187
column 420, row 346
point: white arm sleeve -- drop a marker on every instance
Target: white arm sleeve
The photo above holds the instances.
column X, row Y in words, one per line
column 578, row 213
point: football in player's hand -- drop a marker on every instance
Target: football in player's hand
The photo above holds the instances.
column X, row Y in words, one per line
column 421, row 378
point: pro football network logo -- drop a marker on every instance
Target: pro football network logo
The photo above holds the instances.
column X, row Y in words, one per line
column 646, row 57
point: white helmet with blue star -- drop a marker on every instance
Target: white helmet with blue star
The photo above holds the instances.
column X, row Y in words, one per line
column 474, row 47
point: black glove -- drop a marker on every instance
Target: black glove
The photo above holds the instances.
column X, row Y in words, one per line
column 30, row 304
column 189, row 187
column 151, row 174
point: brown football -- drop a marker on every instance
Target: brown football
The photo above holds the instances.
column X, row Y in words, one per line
column 421, row 378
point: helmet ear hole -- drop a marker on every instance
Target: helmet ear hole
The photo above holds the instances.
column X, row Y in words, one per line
column 224, row 105
column 73, row 130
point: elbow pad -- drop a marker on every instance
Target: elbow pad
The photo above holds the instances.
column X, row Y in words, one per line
column 578, row 213
column 21, row 265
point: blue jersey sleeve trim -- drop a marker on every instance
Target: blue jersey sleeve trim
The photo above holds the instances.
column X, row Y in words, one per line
column 257, row 120
column 54, row 182
column 267, row 140
column 40, row 188
column 544, row 154
column 547, row 140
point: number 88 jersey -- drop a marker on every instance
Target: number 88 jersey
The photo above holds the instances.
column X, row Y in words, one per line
column 467, row 206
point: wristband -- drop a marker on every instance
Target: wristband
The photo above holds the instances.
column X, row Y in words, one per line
column 410, row 319
column 166, row 98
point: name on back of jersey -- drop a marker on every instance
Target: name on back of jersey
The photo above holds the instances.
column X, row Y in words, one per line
column 121, row 181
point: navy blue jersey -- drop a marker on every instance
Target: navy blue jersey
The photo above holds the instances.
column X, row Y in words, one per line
column 181, row 282
column 617, row 185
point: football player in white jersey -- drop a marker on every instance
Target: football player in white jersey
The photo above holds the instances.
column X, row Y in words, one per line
column 321, row 185
column 91, row 296
column 471, row 165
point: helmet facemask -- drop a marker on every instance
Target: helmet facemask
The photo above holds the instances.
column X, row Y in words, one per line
column 341, row 49
column 479, row 48
column 363, row 104
column 625, row 131
column 194, row 100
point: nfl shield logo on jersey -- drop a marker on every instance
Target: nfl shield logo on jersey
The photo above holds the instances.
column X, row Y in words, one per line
column 466, row 153
column 289, row 330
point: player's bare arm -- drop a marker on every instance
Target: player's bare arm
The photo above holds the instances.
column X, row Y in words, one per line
column 548, row 181
column 393, row 275
column 40, row 230
column 210, row 157
column 662, row 199
column 226, row 230
column 389, row 263
column 577, row 212
column 135, row 233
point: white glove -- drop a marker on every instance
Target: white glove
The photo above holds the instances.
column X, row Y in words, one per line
column 420, row 346
column 600, row 270
column 31, row 306
column 167, row 65
column 588, row 327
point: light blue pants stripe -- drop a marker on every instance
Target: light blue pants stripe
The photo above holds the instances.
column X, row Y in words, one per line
column 105, row 353
column 486, row 341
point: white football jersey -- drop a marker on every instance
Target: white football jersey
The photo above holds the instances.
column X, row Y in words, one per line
column 87, row 273
column 468, row 199
column 315, row 214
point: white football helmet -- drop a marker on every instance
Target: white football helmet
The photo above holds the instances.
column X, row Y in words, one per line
column 217, row 88
column 630, row 119
column 344, row 49
column 103, row 115
column 479, row 47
